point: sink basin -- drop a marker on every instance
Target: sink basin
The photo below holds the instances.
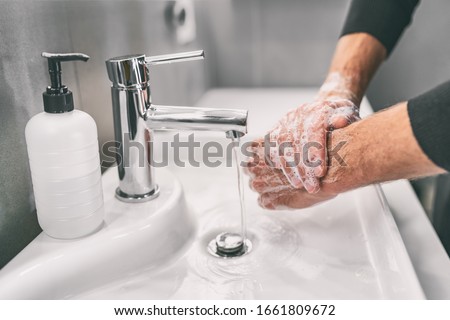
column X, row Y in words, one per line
column 134, row 238
column 346, row 248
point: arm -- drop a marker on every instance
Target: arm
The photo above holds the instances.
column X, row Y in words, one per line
column 356, row 59
column 379, row 148
column 370, row 32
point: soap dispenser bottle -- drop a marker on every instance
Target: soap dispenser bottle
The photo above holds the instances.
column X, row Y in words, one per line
column 64, row 160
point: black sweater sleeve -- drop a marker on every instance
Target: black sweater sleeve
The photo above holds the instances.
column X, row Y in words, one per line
column 383, row 19
column 429, row 114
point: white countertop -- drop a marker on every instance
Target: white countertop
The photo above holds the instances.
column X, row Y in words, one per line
column 429, row 258
column 430, row 261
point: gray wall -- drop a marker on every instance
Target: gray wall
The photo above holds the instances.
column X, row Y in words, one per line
column 266, row 43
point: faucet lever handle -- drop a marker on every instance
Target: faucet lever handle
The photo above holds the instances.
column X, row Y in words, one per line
column 175, row 57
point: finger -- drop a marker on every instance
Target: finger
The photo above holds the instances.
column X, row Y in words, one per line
column 343, row 114
column 300, row 200
column 275, row 132
column 339, row 121
column 260, row 170
column 310, row 181
column 310, row 147
column 297, row 199
column 342, row 117
column 249, row 167
column 248, row 171
column 286, row 159
column 255, row 161
column 267, row 201
column 274, row 182
column 292, row 173
column 277, row 201
column 255, row 148
column 262, row 187
column 314, row 152
column 307, row 174
column 344, row 103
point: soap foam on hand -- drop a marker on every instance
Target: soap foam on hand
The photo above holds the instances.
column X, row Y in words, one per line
column 300, row 140
column 64, row 161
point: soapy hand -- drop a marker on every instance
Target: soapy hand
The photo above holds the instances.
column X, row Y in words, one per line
column 275, row 191
column 293, row 199
column 300, row 138
column 289, row 166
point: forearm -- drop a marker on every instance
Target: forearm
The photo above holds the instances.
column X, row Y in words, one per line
column 377, row 149
column 355, row 61
column 370, row 33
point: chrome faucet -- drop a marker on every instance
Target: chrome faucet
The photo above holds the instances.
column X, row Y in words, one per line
column 135, row 117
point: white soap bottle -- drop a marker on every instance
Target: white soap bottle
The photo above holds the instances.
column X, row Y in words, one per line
column 64, row 161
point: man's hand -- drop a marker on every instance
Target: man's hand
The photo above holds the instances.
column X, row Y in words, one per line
column 300, row 137
column 377, row 149
column 275, row 190
column 275, row 193
column 300, row 140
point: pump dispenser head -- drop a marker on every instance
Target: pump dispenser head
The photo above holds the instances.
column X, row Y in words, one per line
column 57, row 97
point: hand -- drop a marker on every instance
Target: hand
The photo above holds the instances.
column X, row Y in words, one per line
column 356, row 59
column 300, row 139
column 275, row 191
column 379, row 148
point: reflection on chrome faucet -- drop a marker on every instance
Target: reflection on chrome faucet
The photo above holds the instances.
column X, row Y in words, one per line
column 135, row 117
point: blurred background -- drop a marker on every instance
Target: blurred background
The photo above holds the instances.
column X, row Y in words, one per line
column 248, row 43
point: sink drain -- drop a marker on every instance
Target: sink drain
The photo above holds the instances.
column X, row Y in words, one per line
column 229, row 245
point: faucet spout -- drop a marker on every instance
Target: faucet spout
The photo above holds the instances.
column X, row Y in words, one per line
column 135, row 118
column 198, row 119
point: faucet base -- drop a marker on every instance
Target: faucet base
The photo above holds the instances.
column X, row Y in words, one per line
column 136, row 198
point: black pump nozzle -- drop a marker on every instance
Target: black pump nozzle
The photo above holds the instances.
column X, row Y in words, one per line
column 58, row 98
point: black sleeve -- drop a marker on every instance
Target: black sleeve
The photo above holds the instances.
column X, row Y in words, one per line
column 429, row 114
column 383, row 19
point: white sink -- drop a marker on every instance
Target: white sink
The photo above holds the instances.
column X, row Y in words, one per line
column 134, row 238
column 347, row 248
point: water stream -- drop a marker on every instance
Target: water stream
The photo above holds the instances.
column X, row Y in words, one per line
column 231, row 244
column 240, row 178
